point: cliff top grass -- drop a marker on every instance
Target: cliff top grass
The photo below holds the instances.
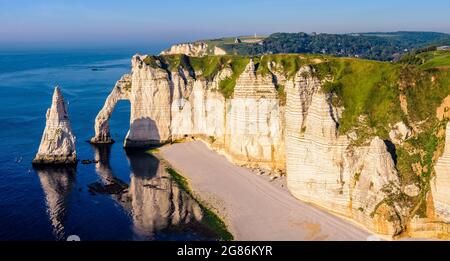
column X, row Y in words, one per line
column 429, row 60
column 435, row 59
column 362, row 87
column 207, row 67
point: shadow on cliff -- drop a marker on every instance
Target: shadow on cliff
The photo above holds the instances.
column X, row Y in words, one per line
column 392, row 150
column 144, row 133
column 57, row 183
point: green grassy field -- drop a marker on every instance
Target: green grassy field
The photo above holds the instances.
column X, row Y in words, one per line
column 429, row 60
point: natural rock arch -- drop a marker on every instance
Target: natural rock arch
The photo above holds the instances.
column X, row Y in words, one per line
column 149, row 92
column 121, row 91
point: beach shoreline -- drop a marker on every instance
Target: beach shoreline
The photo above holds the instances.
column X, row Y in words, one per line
column 254, row 206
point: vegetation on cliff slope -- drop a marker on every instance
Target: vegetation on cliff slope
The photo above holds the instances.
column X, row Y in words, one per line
column 208, row 67
column 375, row 96
column 364, row 88
column 386, row 93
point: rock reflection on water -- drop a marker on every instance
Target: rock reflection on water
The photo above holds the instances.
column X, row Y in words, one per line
column 57, row 183
column 102, row 155
column 159, row 209
column 157, row 203
column 109, row 184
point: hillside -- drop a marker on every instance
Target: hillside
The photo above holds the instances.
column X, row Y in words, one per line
column 428, row 60
column 375, row 46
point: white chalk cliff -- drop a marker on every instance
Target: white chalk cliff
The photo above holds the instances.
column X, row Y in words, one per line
column 121, row 91
column 441, row 183
column 167, row 105
column 324, row 169
column 252, row 128
column 193, row 49
column 58, row 142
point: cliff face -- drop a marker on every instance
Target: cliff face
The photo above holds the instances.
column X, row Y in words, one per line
column 193, row 49
column 279, row 120
column 121, row 91
column 324, row 169
column 58, row 142
column 254, row 131
column 168, row 105
column 441, row 184
column 150, row 98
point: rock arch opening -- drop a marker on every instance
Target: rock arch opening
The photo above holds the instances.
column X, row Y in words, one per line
column 121, row 91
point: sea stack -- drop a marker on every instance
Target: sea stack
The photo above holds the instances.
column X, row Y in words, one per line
column 58, row 142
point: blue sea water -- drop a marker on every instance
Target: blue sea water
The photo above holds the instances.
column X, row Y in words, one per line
column 50, row 205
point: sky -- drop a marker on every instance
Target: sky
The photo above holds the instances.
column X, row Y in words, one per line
column 139, row 22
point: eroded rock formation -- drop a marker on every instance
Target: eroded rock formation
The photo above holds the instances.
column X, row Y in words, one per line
column 121, row 91
column 58, row 142
column 299, row 137
column 168, row 105
column 324, row 169
column 150, row 98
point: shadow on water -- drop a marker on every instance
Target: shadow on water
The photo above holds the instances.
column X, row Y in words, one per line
column 57, row 184
column 108, row 184
column 159, row 209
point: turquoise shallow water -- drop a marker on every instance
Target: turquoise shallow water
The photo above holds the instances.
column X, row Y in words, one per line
column 52, row 204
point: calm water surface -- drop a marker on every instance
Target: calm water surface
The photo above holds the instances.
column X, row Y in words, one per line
column 126, row 196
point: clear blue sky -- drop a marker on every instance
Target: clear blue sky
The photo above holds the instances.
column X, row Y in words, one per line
column 140, row 22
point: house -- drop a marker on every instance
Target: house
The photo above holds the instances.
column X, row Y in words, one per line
column 443, row 48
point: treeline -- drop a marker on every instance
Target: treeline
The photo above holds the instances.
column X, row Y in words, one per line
column 374, row 46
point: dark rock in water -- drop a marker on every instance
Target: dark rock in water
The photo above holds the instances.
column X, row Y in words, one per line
column 97, row 69
column 114, row 187
column 86, row 161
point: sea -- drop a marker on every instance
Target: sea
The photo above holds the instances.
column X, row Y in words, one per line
column 67, row 204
